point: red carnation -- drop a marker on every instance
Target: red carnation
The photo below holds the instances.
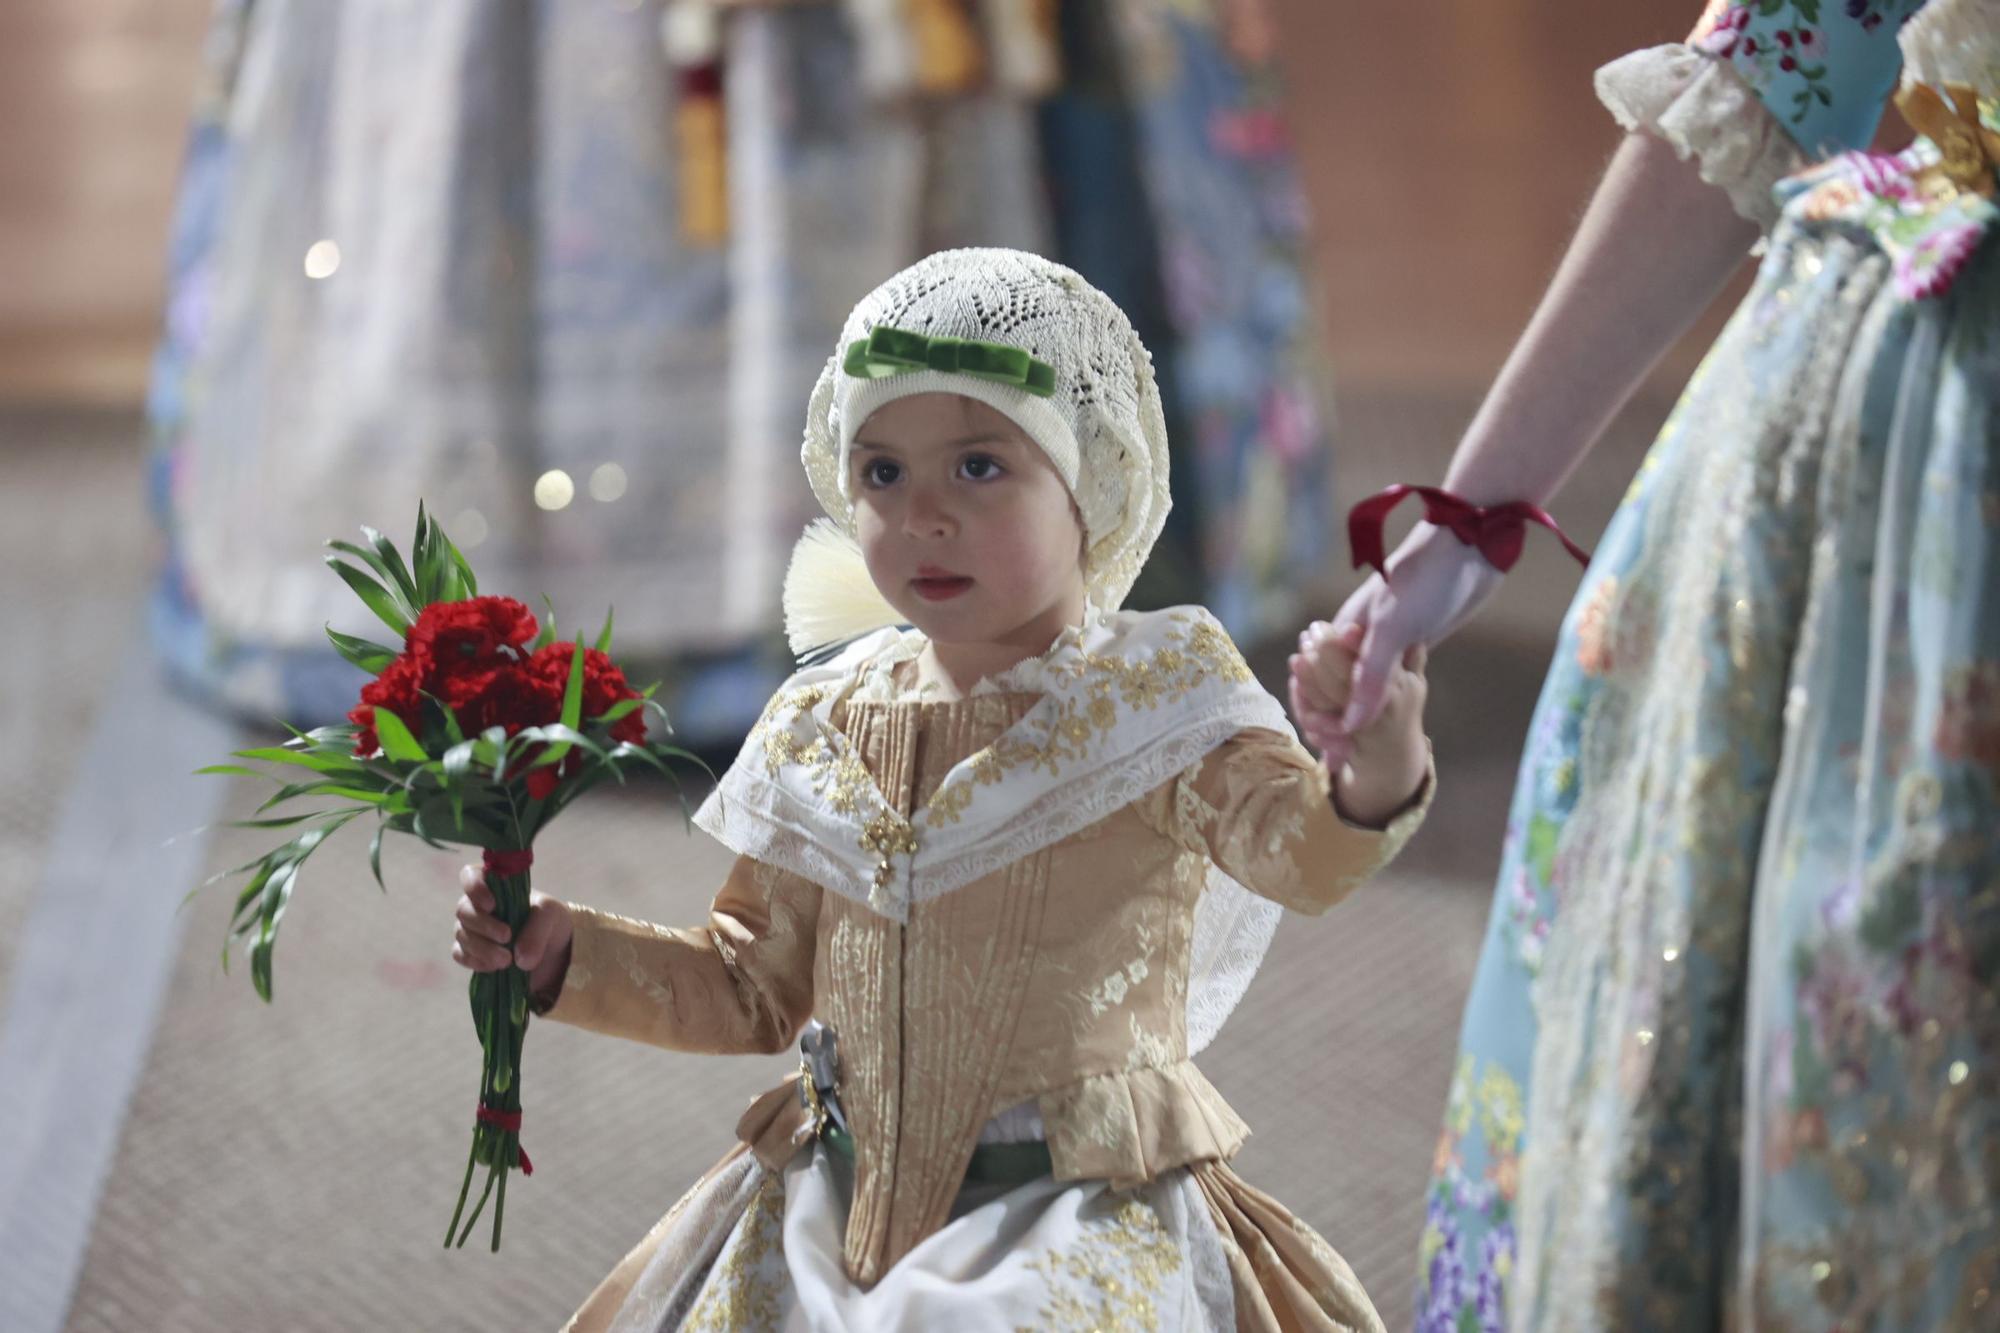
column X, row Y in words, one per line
column 396, row 689
column 470, row 635
column 510, row 696
column 603, row 685
column 542, row 781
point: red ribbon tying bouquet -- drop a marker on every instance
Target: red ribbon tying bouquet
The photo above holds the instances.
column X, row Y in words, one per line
column 1497, row 532
column 479, row 730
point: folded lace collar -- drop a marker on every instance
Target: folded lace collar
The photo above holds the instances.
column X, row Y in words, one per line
column 1129, row 699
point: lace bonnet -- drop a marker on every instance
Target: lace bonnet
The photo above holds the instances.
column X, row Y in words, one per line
column 1030, row 339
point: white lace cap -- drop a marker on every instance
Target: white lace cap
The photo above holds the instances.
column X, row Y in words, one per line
column 1103, row 428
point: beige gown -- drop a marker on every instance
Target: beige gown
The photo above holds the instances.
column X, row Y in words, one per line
column 1046, row 1000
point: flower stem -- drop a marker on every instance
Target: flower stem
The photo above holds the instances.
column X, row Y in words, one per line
column 499, row 1014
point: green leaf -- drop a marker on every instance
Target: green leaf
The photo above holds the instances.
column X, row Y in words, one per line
column 397, row 742
column 335, row 739
column 418, row 827
column 451, row 728
column 457, row 763
column 375, row 856
column 621, row 710
column 327, row 787
column 392, row 560
column 252, row 893
column 572, row 709
column 285, row 821
column 604, row 635
column 468, row 585
column 458, row 759
column 382, row 572
column 430, row 560
column 639, row 753
column 278, row 873
column 232, row 770
column 277, row 896
column 373, row 594
column 687, row 756
column 374, row 658
column 317, row 759
column 548, row 634
column 465, row 573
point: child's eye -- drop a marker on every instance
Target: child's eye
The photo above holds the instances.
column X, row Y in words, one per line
column 980, row 467
column 879, row 472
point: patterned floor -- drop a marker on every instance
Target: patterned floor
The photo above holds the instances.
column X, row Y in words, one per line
column 293, row 1166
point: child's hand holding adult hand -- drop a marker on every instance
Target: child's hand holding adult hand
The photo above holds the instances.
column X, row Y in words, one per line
column 481, row 941
column 1378, row 768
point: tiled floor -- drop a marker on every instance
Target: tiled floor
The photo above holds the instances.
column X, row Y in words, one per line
column 293, row 1166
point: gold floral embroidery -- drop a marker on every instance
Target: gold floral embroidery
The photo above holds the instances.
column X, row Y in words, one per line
column 1110, row 992
column 836, row 775
column 772, row 731
column 1193, row 812
column 739, row 1294
column 888, row 836
column 1111, row 1278
column 1191, row 658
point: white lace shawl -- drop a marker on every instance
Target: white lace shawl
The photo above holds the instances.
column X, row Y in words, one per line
column 1129, row 701
column 1954, row 41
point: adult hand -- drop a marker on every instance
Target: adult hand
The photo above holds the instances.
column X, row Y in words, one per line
column 1435, row 583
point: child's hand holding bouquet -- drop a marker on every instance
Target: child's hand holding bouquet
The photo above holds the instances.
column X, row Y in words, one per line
column 479, row 730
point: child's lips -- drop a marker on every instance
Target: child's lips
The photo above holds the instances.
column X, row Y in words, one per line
column 937, row 586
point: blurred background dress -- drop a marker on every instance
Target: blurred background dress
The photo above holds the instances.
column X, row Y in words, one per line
column 566, row 271
column 1731, row 1057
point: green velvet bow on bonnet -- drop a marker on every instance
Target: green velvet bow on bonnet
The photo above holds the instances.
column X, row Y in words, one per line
column 886, row 351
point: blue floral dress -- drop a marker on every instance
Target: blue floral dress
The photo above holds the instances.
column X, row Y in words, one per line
column 395, row 275
column 1732, row 1052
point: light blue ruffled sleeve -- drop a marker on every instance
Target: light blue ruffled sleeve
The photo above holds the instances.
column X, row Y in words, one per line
column 1824, row 69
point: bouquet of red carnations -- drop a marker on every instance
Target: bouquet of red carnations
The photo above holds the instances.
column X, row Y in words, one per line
column 478, row 731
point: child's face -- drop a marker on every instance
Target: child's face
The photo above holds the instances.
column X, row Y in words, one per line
column 967, row 528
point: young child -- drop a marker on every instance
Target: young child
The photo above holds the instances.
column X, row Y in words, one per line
column 1017, row 863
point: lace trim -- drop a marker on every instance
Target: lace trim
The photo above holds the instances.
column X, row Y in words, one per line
column 1954, row 41
column 1072, row 807
column 1017, row 1124
column 878, row 685
column 1704, row 111
column 768, row 823
column 1233, row 929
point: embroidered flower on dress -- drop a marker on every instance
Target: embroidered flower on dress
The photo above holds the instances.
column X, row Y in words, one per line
column 1928, row 267
column 1593, row 630
column 1727, row 35
column 1968, row 723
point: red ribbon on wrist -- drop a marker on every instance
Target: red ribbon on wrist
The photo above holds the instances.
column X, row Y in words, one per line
column 510, row 1122
column 1497, row 532
column 509, row 863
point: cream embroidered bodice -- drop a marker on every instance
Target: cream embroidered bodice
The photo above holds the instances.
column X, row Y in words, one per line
column 1060, row 979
